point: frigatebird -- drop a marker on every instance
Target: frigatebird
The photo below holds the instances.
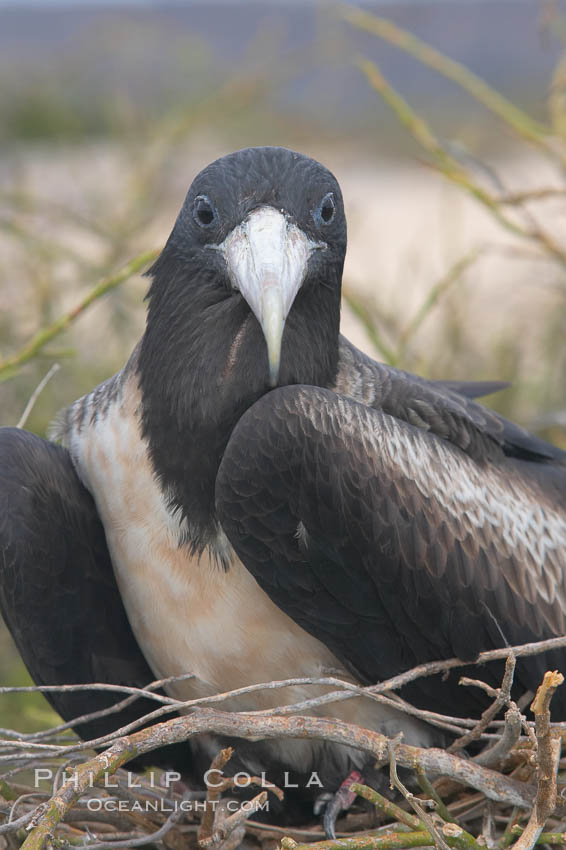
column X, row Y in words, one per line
column 252, row 498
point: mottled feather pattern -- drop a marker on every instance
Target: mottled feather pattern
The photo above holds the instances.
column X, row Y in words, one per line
column 437, row 407
column 93, row 406
column 399, row 525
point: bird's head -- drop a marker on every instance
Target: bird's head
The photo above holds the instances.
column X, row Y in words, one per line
column 250, row 276
column 245, row 296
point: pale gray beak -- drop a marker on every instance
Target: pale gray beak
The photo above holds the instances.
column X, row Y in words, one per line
column 267, row 258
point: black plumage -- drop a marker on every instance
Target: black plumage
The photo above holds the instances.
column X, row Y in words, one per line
column 188, row 384
column 387, row 520
column 58, row 592
column 382, row 571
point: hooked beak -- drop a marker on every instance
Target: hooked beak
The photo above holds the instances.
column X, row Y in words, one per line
column 267, row 258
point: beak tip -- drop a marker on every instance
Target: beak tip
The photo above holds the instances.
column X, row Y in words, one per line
column 273, row 374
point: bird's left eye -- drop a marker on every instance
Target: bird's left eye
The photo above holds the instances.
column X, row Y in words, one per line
column 203, row 211
column 325, row 211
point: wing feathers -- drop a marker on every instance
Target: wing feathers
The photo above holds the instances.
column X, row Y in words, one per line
column 434, row 552
column 444, row 408
column 58, row 594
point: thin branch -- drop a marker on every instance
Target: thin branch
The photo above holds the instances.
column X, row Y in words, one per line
column 516, row 118
column 99, row 686
column 541, row 194
column 212, row 796
column 422, row 670
column 11, row 826
column 436, row 292
column 45, row 335
column 548, row 757
column 231, row 825
column 502, row 697
column 507, row 837
column 362, row 312
column 401, row 840
column 386, row 806
column 428, row 788
column 429, row 668
column 389, row 841
column 253, row 728
column 511, row 733
column 96, row 715
column 35, row 395
column 450, row 167
column 423, row 816
column 159, row 834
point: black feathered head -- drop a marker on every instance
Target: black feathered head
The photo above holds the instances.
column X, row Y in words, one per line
column 245, row 296
column 262, row 232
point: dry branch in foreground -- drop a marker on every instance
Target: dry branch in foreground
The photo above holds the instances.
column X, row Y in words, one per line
column 516, row 772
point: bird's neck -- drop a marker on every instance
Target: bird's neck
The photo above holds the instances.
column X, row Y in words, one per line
column 199, row 374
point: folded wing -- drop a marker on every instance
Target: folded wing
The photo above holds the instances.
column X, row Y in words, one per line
column 58, row 594
column 392, row 543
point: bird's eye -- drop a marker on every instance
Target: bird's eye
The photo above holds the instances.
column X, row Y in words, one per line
column 324, row 213
column 203, row 211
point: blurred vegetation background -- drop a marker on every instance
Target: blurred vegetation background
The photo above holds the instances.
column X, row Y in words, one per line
column 445, row 123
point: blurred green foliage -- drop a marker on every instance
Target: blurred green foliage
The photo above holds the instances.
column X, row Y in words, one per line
column 24, row 712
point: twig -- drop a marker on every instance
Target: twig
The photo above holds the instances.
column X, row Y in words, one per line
column 386, row 806
column 22, row 798
column 391, row 841
column 232, row 823
column 452, row 724
column 520, row 121
column 502, row 697
column 96, row 715
column 507, row 837
column 532, row 195
column 427, row 669
column 362, row 312
column 99, row 686
column 430, row 668
column 487, row 836
column 548, row 756
column 451, row 168
column 422, row 815
column 212, row 795
column 453, row 834
column 252, row 728
column 35, row 395
column 511, row 733
column 428, row 788
column 151, row 838
column 453, row 274
column 11, row 826
column 45, row 335
column 544, row 837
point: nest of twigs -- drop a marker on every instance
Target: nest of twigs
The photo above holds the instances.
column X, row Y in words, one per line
column 55, row 791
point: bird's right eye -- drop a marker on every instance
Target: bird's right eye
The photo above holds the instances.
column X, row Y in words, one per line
column 204, row 212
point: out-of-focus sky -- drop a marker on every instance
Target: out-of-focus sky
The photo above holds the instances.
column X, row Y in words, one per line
column 155, row 53
column 157, row 3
